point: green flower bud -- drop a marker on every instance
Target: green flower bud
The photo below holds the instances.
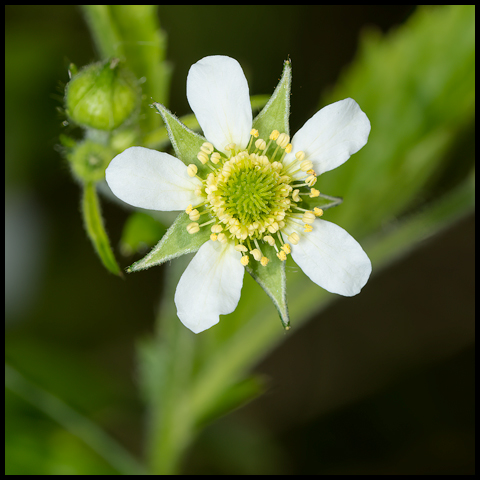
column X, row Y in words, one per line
column 89, row 160
column 102, row 96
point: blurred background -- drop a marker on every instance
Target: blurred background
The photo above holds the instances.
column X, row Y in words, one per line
column 381, row 383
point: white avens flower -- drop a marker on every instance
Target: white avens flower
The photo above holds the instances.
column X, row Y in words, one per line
column 248, row 197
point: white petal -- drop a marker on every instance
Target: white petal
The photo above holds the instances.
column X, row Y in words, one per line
column 332, row 258
column 210, row 286
column 332, row 135
column 218, row 94
column 153, row 180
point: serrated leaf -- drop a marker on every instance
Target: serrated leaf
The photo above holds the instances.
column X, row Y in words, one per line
column 176, row 242
column 95, row 229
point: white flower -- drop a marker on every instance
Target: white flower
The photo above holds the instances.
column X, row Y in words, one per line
column 251, row 201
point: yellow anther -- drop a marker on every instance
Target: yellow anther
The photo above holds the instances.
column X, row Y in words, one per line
column 244, row 260
column 199, row 192
column 294, row 238
column 308, row 228
column 296, row 195
column 282, row 140
column 314, row 193
column 318, row 211
column 207, row 147
column 216, row 228
column 260, row 144
column 230, row 146
column 300, row 156
column 306, row 165
column 254, row 132
column 222, row 238
column 215, row 157
column 270, row 240
column 213, row 237
column 188, row 209
column 308, row 217
column 286, row 248
column 282, row 255
column 241, row 248
column 194, row 215
column 264, row 261
column 192, row 170
column 311, row 180
column 311, row 172
column 274, row 135
column 273, row 227
column 257, row 255
column 203, row 157
column 193, row 228
column 288, row 148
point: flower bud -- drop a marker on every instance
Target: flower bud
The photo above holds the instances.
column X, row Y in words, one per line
column 102, row 96
column 89, row 160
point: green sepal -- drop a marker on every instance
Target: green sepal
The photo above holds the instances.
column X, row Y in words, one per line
column 176, row 242
column 275, row 115
column 185, row 142
column 322, row 201
column 95, row 229
column 272, row 279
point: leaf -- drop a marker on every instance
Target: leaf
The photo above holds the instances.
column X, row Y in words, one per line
column 176, row 242
column 95, row 229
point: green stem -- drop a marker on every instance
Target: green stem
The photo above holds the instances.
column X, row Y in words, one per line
column 103, row 30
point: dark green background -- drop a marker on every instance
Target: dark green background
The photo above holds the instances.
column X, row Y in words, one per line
column 377, row 384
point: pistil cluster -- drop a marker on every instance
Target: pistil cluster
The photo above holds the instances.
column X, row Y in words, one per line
column 252, row 197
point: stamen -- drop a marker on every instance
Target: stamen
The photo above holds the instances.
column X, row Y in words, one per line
column 202, row 156
column 193, row 228
column 294, row 238
column 318, row 211
column 192, row 169
column 244, row 260
column 207, row 147
column 215, row 157
column 194, row 215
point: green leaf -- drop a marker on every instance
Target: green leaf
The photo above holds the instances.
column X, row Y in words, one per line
column 185, row 142
column 275, row 115
column 176, row 242
column 95, row 229
column 417, row 87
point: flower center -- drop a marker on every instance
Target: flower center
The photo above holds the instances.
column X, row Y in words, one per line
column 251, row 196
